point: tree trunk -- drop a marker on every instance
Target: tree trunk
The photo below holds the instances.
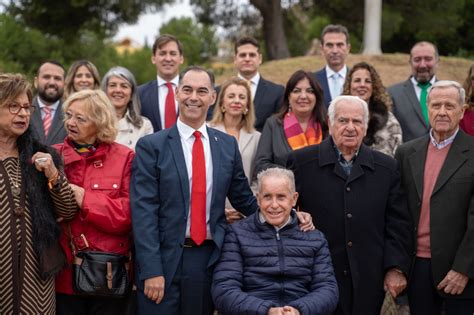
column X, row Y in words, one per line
column 372, row 27
column 274, row 33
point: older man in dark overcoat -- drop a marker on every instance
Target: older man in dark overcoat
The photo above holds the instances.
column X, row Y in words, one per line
column 354, row 196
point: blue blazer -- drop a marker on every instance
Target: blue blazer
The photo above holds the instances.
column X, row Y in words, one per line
column 321, row 77
column 148, row 93
column 160, row 195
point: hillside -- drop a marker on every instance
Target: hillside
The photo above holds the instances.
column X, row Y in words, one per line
column 392, row 68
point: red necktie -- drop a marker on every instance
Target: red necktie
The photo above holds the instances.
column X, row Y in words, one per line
column 47, row 119
column 198, row 192
column 170, row 107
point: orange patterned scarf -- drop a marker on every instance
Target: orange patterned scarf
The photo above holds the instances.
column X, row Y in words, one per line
column 298, row 139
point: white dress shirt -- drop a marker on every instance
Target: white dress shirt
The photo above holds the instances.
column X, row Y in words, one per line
column 340, row 80
column 53, row 108
column 418, row 89
column 163, row 93
column 253, row 83
column 187, row 141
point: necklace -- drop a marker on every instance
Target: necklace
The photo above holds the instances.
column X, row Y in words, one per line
column 16, row 183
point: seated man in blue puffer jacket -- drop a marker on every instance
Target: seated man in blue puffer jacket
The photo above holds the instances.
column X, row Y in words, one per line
column 268, row 265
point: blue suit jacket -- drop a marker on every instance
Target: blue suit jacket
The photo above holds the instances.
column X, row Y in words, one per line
column 148, row 93
column 160, row 197
column 322, row 79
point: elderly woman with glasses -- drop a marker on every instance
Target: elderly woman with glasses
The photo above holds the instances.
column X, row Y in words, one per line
column 120, row 86
column 99, row 172
column 34, row 195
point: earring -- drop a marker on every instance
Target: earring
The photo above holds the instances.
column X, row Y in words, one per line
column 246, row 111
column 223, row 109
column 289, row 110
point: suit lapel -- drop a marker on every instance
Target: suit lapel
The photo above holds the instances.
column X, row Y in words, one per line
column 364, row 158
column 37, row 121
column 328, row 156
column 154, row 100
column 178, row 156
column 455, row 159
column 216, row 161
column 417, row 164
column 244, row 140
column 323, row 82
column 413, row 100
column 259, row 94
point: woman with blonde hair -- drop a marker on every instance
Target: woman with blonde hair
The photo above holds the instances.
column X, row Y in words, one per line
column 99, row 171
column 235, row 115
column 82, row 75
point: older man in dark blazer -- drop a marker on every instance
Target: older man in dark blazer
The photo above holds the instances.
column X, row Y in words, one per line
column 438, row 174
column 47, row 120
column 409, row 96
column 354, row 195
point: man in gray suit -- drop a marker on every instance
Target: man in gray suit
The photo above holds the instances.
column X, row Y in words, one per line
column 437, row 172
column 409, row 97
column 47, row 120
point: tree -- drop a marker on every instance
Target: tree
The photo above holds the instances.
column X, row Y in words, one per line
column 199, row 40
column 372, row 27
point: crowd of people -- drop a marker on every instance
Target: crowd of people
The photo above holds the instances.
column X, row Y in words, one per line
column 330, row 195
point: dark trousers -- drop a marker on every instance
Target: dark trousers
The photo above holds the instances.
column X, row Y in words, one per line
column 424, row 297
column 190, row 290
column 81, row 305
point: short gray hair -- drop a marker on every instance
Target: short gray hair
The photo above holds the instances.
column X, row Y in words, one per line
column 348, row 98
column 277, row 172
column 134, row 106
column 444, row 84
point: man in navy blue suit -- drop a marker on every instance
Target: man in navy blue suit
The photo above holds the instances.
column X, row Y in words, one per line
column 156, row 94
column 174, row 270
column 335, row 47
column 266, row 95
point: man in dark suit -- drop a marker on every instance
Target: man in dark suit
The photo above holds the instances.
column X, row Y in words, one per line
column 157, row 96
column 354, row 195
column 409, row 97
column 266, row 95
column 173, row 273
column 47, row 120
column 335, row 47
column 438, row 174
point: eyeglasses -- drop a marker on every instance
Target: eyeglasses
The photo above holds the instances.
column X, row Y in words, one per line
column 15, row 108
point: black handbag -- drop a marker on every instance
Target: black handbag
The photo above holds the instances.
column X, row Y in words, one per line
column 101, row 274
column 97, row 273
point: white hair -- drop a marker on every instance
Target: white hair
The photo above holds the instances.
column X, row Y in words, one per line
column 279, row 173
column 350, row 99
column 444, row 84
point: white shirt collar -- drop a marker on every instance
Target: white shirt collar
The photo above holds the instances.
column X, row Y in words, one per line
column 186, row 131
column 54, row 107
column 415, row 83
column 262, row 220
column 162, row 81
column 255, row 79
column 330, row 72
column 444, row 143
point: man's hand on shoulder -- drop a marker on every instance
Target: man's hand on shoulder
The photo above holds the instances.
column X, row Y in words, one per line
column 154, row 288
column 306, row 222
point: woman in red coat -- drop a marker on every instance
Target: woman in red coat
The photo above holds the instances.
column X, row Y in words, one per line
column 99, row 172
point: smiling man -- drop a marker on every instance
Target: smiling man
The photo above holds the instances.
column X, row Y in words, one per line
column 409, row 96
column 268, row 265
column 438, row 174
column 157, row 97
column 335, row 48
column 47, row 120
column 354, row 195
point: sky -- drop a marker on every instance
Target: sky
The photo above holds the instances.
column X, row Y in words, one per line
column 148, row 24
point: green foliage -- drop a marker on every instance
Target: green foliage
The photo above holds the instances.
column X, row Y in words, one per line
column 199, row 40
column 139, row 63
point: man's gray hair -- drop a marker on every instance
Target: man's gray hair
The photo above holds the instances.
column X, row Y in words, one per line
column 348, row 98
column 444, row 84
column 277, row 172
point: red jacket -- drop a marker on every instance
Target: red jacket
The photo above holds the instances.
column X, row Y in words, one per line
column 104, row 219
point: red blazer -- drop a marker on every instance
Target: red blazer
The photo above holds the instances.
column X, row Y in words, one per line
column 104, row 219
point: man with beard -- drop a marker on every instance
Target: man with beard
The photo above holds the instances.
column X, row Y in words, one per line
column 335, row 47
column 157, row 97
column 409, row 97
column 47, row 119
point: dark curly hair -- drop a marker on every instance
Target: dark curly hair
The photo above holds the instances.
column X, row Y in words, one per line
column 468, row 87
column 380, row 102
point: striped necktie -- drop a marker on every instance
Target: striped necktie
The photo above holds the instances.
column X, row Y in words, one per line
column 47, row 120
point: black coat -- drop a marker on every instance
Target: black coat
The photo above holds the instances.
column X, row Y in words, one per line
column 364, row 217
